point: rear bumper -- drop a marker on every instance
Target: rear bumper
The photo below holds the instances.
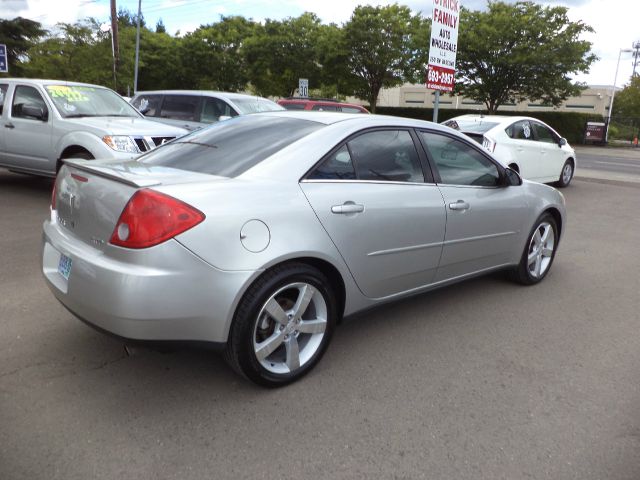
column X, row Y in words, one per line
column 162, row 293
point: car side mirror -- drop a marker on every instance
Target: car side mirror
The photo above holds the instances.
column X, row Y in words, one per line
column 34, row 112
column 562, row 142
column 513, row 178
column 223, row 117
column 144, row 110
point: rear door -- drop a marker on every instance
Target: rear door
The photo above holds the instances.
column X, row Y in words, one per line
column 524, row 148
column 483, row 217
column 27, row 139
column 551, row 155
column 381, row 209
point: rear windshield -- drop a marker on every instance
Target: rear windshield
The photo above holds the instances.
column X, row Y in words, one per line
column 231, row 147
column 471, row 126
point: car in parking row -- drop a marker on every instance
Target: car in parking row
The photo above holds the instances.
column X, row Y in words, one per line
column 527, row 145
column 260, row 233
column 47, row 121
column 194, row 109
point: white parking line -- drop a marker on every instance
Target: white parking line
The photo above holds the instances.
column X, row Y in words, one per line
column 620, row 164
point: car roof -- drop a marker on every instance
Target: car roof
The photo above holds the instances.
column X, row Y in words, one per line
column 203, row 93
column 329, row 118
column 492, row 118
column 45, row 82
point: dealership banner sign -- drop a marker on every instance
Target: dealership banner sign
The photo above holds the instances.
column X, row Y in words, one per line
column 444, row 45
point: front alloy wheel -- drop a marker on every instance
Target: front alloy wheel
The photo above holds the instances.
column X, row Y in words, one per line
column 539, row 252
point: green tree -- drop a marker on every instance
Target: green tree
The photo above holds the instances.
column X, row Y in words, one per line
column 279, row 53
column 627, row 102
column 19, row 35
column 382, row 48
column 212, row 57
column 520, row 51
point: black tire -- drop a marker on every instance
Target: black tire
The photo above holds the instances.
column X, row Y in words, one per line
column 566, row 174
column 522, row 273
column 250, row 317
column 84, row 155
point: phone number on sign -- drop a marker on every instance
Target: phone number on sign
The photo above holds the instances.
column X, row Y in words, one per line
column 443, row 78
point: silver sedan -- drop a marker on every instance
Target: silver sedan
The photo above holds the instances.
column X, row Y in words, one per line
column 260, row 233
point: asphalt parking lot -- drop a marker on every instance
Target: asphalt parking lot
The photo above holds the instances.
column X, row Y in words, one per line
column 483, row 380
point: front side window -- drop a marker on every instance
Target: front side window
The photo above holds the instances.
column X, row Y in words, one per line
column 459, row 163
column 149, row 105
column 521, row 130
column 76, row 101
column 214, row 108
column 181, row 107
column 543, row 134
column 27, row 97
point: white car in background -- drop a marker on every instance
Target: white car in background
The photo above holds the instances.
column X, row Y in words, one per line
column 525, row 144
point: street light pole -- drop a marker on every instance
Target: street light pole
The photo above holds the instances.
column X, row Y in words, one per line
column 613, row 92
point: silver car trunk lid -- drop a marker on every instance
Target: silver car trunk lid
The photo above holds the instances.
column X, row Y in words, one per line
column 90, row 196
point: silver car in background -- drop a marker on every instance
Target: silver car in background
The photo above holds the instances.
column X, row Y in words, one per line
column 261, row 232
column 194, row 109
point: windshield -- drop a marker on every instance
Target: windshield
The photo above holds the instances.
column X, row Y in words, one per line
column 255, row 105
column 230, row 148
column 86, row 101
column 470, row 126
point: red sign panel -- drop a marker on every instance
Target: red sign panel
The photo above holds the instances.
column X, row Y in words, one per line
column 440, row 78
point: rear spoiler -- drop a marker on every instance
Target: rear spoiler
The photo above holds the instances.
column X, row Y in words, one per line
column 122, row 174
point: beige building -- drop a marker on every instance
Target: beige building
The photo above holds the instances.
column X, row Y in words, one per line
column 595, row 99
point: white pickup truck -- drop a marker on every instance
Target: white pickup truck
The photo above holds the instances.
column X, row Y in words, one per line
column 43, row 122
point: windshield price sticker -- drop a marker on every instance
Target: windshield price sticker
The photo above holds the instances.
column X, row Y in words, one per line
column 443, row 45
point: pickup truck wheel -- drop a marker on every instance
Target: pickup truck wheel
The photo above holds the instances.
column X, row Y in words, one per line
column 84, row 155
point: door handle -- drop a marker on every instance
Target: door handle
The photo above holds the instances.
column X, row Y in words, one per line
column 347, row 208
column 459, row 205
column 9, row 125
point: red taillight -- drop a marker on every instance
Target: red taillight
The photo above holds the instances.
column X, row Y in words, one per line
column 151, row 217
column 53, row 195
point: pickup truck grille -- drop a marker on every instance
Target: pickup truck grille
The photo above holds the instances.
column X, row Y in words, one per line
column 145, row 144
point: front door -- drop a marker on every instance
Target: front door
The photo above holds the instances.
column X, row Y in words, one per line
column 387, row 223
column 483, row 217
column 27, row 139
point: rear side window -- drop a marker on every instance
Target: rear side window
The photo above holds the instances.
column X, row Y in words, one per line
column 148, row 105
column 294, row 106
column 325, row 108
column 181, row 107
column 520, row 130
column 380, row 155
column 3, row 94
column 232, row 147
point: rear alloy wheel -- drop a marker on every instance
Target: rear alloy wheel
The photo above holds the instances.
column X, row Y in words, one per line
column 566, row 174
column 539, row 253
column 282, row 325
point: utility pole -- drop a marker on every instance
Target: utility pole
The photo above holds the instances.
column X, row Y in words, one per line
column 114, row 40
column 135, row 74
column 636, row 54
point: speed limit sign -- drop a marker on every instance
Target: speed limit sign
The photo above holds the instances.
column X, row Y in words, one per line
column 303, row 87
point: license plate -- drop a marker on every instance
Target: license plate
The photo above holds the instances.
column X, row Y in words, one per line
column 64, row 266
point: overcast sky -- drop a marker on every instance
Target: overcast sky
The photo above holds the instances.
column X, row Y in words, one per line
column 616, row 23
